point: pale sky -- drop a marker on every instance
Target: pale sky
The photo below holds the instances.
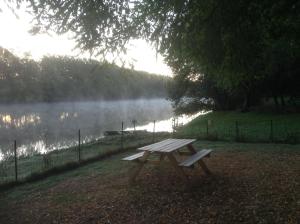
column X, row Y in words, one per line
column 14, row 36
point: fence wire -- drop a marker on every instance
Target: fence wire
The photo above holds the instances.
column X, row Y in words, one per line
column 84, row 144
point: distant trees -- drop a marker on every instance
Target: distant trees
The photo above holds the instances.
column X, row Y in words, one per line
column 225, row 54
column 67, row 78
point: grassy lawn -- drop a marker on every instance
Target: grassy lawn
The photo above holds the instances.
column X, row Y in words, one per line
column 37, row 164
column 249, row 127
column 246, row 127
column 251, row 183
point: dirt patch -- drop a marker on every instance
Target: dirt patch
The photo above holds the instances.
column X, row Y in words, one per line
column 246, row 187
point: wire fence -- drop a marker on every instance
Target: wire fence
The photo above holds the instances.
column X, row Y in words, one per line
column 17, row 166
column 241, row 131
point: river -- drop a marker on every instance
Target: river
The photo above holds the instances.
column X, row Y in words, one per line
column 43, row 127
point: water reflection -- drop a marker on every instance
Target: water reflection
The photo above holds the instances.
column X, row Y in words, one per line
column 168, row 124
column 7, row 121
column 47, row 126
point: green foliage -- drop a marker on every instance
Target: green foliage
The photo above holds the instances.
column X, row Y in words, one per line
column 245, row 50
column 242, row 50
column 67, row 78
column 99, row 26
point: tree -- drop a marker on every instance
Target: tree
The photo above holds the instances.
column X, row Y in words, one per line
column 69, row 79
column 234, row 44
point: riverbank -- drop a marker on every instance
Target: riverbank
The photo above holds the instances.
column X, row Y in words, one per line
column 251, row 183
column 252, row 127
column 245, row 127
column 39, row 166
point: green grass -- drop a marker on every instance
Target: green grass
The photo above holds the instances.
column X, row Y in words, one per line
column 248, row 178
column 244, row 127
column 35, row 166
column 105, row 167
column 113, row 166
column 252, row 127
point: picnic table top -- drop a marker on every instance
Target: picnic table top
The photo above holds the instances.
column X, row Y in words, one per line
column 167, row 145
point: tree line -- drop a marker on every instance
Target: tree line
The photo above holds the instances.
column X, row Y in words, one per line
column 68, row 79
column 225, row 55
column 235, row 55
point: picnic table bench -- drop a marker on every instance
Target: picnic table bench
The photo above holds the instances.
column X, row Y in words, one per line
column 168, row 149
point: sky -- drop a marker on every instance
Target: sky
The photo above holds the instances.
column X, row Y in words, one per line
column 15, row 37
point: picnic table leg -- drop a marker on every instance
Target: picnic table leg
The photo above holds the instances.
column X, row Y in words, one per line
column 201, row 163
column 137, row 169
column 161, row 157
column 204, row 167
column 178, row 168
column 191, row 149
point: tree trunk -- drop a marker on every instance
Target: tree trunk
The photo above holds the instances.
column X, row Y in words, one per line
column 246, row 103
column 282, row 102
column 276, row 102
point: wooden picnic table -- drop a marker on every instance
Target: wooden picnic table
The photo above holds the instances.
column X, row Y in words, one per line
column 169, row 148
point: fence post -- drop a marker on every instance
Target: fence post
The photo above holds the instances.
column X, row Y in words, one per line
column 79, row 145
column 271, row 131
column 173, row 127
column 16, row 160
column 153, row 137
column 134, row 123
column 122, row 133
column 237, row 131
column 207, row 129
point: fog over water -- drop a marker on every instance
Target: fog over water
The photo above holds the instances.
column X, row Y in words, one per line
column 43, row 127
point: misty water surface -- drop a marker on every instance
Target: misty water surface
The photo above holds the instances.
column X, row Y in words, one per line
column 46, row 126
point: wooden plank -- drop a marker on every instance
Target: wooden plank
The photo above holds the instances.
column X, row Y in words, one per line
column 204, row 167
column 134, row 157
column 166, row 144
column 195, row 158
column 163, row 146
column 170, row 145
column 160, row 145
column 177, row 168
column 191, row 149
column 137, row 169
column 177, row 145
column 155, row 145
